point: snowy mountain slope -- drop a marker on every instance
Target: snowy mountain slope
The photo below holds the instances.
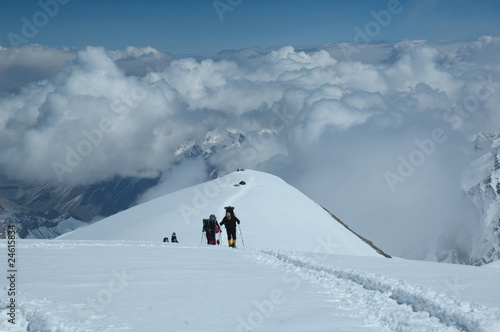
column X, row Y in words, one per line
column 300, row 270
column 273, row 215
column 150, row 286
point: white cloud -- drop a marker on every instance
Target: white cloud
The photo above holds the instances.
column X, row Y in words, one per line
column 420, row 67
column 135, row 52
column 330, row 125
column 323, row 115
column 191, row 173
column 140, row 61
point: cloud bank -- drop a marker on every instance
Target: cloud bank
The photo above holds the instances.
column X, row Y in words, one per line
column 381, row 138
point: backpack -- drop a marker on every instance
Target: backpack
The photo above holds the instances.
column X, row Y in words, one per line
column 211, row 224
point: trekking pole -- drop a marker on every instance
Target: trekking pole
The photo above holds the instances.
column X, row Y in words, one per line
column 243, row 242
column 201, row 241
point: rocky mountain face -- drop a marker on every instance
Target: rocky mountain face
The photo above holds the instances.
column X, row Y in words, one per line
column 38, row 210
column 486, row 198
column 214, row 141
column 47, row 210
column 482, row 244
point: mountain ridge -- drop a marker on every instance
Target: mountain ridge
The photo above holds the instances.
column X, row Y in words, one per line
column 273, row 215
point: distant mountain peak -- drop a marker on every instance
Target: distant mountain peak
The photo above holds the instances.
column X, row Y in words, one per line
column 214, row 141
column 188, row 150
column 222, row 136
column 486, row 197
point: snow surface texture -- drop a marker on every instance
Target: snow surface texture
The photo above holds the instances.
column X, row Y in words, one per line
column 118, row 275
column 145, row 286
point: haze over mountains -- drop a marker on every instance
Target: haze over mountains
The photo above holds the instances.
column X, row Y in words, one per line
column 332, row 120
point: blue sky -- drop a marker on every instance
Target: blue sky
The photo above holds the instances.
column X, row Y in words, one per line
column 195, row 27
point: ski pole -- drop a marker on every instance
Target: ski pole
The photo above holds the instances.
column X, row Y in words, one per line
column 201, row 241
column 243, row 242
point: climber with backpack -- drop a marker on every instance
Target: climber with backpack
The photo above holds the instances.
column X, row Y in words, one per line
column 230, row 221
column 211, row 228
column 174, row 238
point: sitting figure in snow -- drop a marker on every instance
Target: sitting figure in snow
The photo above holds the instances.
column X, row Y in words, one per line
column 174, row 238
column 165, row 239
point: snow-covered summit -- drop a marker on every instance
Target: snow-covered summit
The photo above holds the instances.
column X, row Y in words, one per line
column 273, row 215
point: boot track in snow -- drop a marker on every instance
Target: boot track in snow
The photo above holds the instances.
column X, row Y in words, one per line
column 395, row 304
